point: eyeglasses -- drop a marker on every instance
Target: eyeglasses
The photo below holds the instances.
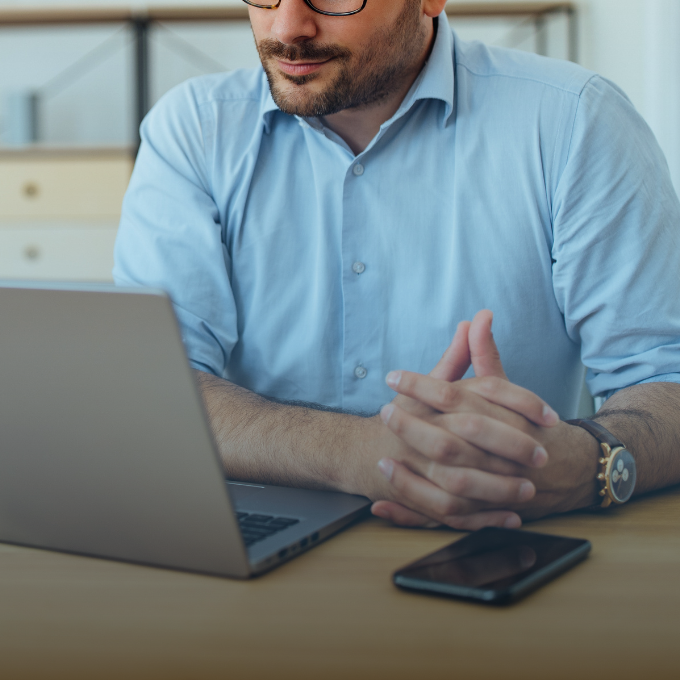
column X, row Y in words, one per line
column 331, row 8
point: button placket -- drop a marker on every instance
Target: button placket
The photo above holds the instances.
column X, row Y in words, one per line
column 360, row 353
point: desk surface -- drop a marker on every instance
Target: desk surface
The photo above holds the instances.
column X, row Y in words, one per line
column 333, row 613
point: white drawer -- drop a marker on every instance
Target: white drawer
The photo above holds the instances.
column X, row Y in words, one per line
column 57, row 254
column 55, row 187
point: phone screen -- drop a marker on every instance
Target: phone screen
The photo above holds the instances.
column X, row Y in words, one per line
column 493, row 564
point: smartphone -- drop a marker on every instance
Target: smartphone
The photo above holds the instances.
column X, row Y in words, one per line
column 493, row 565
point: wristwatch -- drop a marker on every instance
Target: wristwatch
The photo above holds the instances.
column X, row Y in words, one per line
column 617, row 472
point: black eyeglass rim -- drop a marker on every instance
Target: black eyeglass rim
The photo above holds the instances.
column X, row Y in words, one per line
column 309, row 4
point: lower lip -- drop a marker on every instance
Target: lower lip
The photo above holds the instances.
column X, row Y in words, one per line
column 301, row 69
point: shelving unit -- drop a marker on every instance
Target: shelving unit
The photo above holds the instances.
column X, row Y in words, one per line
column 60, row 207
column 59, row 212
column 141, row 22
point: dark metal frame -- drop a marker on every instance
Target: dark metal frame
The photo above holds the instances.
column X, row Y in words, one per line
column 140, row 28
column 540, row 21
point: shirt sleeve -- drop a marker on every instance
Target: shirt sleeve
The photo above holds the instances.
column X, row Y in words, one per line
column 170, row 235
column 616, row 247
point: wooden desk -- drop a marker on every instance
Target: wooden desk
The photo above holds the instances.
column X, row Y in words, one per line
column 333, row 613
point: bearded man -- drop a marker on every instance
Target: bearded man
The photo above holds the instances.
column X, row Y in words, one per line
column 345, row 210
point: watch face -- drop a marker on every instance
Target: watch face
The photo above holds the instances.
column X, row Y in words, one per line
column 622, row 476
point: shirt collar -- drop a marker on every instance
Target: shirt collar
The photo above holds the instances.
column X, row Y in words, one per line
column 434, row 82
column 436, row 79
column 268, row 108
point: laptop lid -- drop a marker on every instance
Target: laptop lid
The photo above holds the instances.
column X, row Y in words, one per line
column 97, row 396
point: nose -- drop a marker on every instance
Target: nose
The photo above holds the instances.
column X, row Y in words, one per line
column 294, row 22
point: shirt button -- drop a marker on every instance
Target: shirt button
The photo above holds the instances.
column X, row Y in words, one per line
column 360, row 372
column 358, row 169
column 358, row 267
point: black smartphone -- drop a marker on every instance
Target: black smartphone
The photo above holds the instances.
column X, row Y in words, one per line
column 493, row 565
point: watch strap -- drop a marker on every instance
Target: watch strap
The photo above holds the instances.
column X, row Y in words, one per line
column 600, row 433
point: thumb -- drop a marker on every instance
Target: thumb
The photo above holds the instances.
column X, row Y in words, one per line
column 486, row 359
column 456, row 358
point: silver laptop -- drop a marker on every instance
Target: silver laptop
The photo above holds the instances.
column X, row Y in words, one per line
column 105, row 448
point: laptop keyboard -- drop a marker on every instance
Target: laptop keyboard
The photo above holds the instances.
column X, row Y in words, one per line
column 256, row 528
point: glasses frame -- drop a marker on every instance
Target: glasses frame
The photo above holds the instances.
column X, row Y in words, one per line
column 309, row 4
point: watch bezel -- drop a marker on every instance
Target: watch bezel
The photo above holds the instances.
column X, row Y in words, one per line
column 613, row 458
column 607, row 461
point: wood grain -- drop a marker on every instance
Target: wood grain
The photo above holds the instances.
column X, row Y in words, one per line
column 333, row 612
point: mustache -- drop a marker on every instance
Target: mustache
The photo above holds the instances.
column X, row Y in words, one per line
column 305, row 51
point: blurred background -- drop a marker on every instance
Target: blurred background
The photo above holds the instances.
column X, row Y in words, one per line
column 74, row 85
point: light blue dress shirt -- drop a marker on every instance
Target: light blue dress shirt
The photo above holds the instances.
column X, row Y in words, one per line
column 505, row 181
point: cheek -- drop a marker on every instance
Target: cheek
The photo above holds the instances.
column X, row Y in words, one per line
column 261, row 23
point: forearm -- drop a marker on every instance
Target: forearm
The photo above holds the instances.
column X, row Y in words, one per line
column 646, row 418
column 263, row 441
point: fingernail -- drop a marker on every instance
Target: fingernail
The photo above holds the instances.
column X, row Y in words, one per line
column 513, row 522
column 526, row 491
column 380, row 512
column 540, row 457
column 393, row 378
column 386, row 413
column 549, row 416
column 386, row 466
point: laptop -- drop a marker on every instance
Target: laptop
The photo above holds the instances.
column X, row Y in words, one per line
column 105, row 448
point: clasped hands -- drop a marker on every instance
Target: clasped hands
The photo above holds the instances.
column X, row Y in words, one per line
column 480, row 451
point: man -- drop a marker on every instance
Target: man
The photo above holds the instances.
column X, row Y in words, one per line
column 347, row 210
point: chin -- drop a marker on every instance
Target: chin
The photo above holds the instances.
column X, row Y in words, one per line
column 297, row 106
column 296, row 99
column 307, row 96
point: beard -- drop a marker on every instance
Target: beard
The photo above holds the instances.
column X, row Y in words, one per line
column 363, row 77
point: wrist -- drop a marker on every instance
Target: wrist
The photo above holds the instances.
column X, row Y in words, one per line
column 371, row 441
column 355, row 455
column 586, row 489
